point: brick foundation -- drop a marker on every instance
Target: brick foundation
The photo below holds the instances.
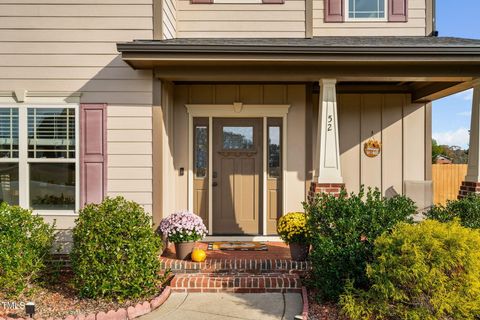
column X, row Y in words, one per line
column 329, row 188
column 468, row 187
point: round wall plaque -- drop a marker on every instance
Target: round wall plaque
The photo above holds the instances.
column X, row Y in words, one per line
column 372, row 148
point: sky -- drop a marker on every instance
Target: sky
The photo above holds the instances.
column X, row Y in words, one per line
column 451, row 115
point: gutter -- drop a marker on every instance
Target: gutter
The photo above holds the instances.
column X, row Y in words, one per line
column 159, row 48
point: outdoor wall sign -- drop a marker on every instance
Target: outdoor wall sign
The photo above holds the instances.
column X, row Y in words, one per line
column 372, row 148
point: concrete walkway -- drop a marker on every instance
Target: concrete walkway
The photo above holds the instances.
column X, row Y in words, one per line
column 219, row 306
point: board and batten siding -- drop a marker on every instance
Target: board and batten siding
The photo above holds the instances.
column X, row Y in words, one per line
column 67, row 47
column 241, row 20
column 395, row 122
column 415, row 26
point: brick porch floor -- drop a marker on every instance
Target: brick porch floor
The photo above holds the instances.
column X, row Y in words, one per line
column 276, row 250
column 237, row 271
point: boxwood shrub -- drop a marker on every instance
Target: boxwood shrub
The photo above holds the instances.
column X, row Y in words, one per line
column 425, row 271
column 343, row 230
column 466, row 209
column 115, row 251
column 25, row 244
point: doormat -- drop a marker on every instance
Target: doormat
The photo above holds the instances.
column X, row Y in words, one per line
column 237, row 246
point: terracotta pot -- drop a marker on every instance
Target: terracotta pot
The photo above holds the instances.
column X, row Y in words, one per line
column 299, row 251
column 183, row 250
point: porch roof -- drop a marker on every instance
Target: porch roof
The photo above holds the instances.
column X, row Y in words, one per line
column 315, row 45
column 427, row 67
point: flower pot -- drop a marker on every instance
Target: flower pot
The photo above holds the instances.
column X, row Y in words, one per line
column 299, row 251
column 183, row 250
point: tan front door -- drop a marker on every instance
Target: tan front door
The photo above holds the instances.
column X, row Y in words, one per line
column 237, row 175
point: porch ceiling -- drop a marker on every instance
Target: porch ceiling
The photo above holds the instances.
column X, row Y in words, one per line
column 427, row 67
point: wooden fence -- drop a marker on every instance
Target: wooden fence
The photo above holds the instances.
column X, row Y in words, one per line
column 447, row 179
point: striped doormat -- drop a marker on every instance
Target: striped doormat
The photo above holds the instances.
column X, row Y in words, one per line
column 238, row 246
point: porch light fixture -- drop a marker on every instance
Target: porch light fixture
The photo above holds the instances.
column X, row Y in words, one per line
column 30, row 309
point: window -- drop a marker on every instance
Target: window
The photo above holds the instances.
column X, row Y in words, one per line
column 51, row 133
column 274, row 155
column 9, row 156
column 39, row 143
column 9, row 133
column 237, row 138
column 366, row 9
column 201, row 150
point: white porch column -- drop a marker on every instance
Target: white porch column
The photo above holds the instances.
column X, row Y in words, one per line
column 327, row 153
column 473, row 153
column 472, row 179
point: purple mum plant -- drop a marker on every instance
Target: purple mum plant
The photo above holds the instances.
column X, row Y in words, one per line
column 183, row 226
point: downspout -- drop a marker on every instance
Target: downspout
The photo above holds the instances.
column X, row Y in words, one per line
column 434, row 19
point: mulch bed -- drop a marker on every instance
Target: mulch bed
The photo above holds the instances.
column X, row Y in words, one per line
column 58, row 299
column 323, row 311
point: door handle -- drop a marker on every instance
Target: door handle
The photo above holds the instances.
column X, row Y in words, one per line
column 214, row 174
column 214, row 184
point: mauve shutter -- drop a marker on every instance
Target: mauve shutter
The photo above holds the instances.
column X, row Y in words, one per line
column 398, row 10
column 333, row 10
column 93, row 153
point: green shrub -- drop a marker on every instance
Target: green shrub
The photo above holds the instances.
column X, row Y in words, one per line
column 466, row 209
column 343, row 230
column 25, row 244
column 425, row 271
column 115, row 251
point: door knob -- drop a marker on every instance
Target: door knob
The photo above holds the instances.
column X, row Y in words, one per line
column 214, row 184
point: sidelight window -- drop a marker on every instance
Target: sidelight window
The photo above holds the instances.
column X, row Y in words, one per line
column 201, row 150
column 274, row 155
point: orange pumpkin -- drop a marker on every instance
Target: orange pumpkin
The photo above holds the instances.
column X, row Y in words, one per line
column 198, row 255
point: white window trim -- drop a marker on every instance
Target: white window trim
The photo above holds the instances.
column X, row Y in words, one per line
column 348, row 19
column 24, row 161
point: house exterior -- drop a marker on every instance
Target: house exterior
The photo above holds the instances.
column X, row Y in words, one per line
column 238, row 110
column 443, row 160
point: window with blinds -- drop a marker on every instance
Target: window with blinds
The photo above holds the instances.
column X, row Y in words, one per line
column 8, row 133
column 51, row 133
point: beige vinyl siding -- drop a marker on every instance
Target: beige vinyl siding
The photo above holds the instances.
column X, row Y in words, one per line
column 394, row 121
column 130, row 151
column 68, row 47
column 416, row 25
column 241, row 20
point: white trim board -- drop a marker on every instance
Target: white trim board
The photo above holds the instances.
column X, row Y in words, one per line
column 235, row 110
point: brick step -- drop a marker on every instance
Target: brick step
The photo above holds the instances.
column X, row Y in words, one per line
column 235, row 283
column 250, row 266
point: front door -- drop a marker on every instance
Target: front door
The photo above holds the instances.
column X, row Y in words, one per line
column 237, row 175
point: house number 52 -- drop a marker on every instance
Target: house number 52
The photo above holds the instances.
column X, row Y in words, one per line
column 329, row 123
